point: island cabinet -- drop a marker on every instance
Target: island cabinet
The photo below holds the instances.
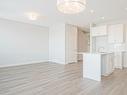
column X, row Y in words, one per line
column 116, row 33
column 99, row 30
column 97, row 64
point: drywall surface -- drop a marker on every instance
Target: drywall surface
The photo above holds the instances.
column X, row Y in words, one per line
column 57, row 44
column 22, row 43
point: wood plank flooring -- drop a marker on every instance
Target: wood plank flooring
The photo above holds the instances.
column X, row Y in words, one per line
column 56, row 79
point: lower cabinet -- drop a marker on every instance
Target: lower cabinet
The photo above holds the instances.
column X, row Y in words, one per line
column 107, row 65
column 118, row 60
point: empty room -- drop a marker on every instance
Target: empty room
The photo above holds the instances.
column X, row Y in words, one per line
column 63, row 47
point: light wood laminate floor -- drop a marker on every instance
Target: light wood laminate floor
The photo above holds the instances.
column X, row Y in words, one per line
column 56, row 79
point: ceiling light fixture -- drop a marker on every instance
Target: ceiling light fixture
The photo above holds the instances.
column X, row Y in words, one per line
column 92, row 11
column 71, row 6
column 102, row 18
column 32, row 16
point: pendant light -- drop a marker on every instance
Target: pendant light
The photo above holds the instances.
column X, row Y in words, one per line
column 71, row 6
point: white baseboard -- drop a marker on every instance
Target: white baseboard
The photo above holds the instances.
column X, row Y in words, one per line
column 19, row 64
column 125, row 66
column 58, row 62
column 118, row 67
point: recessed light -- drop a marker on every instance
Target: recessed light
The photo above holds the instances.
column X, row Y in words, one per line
column 32, row 16
column 102, row 17
column 92, row 11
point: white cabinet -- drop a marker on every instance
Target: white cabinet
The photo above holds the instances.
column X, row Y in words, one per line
column 97, row 64
column 116, row 33
column 99, row 30
column 63, row 43
column 107, row 64
column 118, row 59
column 71, row 43
column 92, row 66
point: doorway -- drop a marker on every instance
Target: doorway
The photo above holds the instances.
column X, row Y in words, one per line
column 83, row 43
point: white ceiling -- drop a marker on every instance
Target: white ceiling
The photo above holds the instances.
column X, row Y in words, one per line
column 16, row 9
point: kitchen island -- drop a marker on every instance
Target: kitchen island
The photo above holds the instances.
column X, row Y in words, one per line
column 97, row 64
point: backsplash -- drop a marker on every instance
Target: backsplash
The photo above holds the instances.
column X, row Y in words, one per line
column 101, row 45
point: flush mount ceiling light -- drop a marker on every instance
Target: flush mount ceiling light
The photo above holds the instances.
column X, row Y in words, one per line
column 32, row 16
column 91, row 11
column 102, row 17
column 71, row 6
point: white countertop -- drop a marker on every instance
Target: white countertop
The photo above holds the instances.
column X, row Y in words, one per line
column 102, row 53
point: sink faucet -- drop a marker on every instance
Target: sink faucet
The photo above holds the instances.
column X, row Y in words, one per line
column 101, row 49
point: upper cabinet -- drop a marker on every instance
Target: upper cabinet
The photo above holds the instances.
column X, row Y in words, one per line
column 116, row 33
column 99, row 30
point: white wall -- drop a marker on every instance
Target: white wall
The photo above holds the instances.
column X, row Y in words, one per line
column 102, row 44
column 57, row 43
column 22, row 43
column 125, row 54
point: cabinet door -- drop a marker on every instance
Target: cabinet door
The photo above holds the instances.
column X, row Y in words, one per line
column 118, row 60
column 110, row 64
column 115, row 33
column 107, row 64
column 102, row 30
column 119, row 33
column 111, row 35
column 94, row 31
column 99, row 30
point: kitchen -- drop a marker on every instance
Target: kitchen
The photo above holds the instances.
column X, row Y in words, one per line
column 107, row 51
